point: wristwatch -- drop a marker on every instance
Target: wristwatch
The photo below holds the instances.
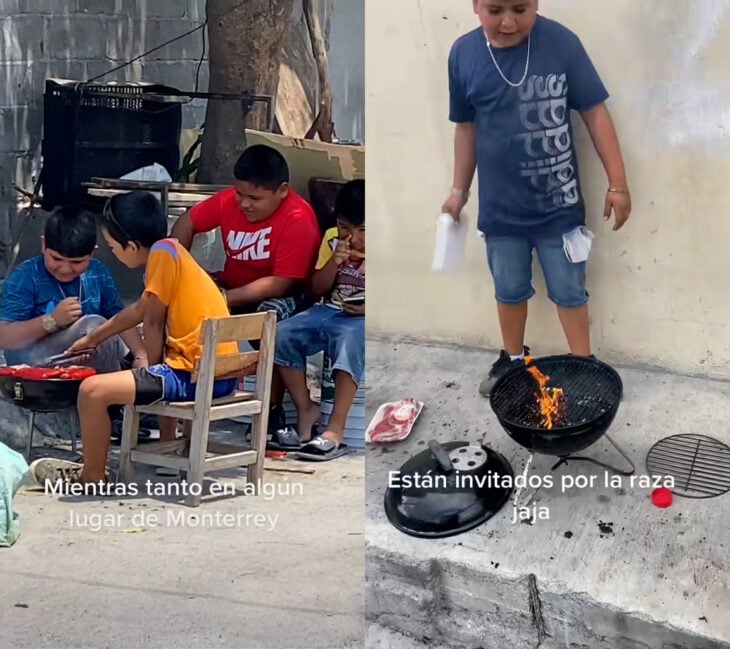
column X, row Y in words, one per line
column 49, row 324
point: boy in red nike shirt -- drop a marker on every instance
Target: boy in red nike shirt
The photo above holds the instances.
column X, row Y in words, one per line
column 270, row 235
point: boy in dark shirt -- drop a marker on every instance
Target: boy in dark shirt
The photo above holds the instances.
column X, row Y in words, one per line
column 513, row 83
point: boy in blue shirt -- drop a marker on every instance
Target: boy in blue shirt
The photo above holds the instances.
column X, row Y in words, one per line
column 51, row 300
column 513, row 83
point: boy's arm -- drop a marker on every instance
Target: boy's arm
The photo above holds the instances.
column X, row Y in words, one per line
column 292, row 264
column 462, row 114
column 618, row 199
column 128, row 318
column 324, row 278
column 183, row 230
column 202, row 217
column 17, row 328
column 465, row 164
column 134, row 342
column 111, row 304
column 154, row 319
column 17, row 335
column 326, row 273
column 265, row 288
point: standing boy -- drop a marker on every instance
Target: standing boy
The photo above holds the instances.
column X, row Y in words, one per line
column 513, row 83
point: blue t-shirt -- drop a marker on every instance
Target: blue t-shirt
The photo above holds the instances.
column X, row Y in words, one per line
column 526, row 162
column 31, row 291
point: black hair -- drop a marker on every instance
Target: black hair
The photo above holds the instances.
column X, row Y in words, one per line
column 70, row 232
column 350, row 202
column 263, row 166
column 135, row 217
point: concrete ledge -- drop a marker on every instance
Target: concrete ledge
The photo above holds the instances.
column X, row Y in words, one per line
column 454, row 605
column 653, row 579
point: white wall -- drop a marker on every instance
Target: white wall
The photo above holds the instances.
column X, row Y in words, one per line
column 659, row 287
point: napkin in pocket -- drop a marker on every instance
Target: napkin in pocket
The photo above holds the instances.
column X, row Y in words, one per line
column 577, row 244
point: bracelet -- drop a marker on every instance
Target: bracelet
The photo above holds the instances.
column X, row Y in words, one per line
column 617, row 190
column 460, row 193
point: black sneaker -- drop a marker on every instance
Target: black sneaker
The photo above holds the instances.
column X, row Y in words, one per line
column 499, row 369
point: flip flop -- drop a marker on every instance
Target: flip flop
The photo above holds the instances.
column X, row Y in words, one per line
column 284, row 439
column 321, row 449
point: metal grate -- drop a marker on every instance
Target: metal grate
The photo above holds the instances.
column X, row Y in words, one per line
column 700, row 465
column 590, row 389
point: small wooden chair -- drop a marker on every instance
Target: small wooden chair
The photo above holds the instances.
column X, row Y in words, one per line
column 198, row 414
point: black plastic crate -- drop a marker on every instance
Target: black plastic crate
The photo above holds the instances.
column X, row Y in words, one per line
column 104, row 130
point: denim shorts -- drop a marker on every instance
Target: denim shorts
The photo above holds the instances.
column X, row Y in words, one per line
column 321, row 328
column 510, row 262
column 163, row 383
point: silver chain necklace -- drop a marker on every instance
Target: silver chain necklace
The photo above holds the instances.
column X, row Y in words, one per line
column 496, row 65
column 81, row 288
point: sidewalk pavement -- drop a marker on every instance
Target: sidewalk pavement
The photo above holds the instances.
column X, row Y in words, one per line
column 611, row 570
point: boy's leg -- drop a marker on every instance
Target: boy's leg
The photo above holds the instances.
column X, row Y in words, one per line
column 285, row 308
column 565, row 282
column 345, row 391
column 577, row 329
column 96, row 394
column 510, row 262
column 107, row 358
column 296, row 339
column 168, row 428
column 346, row 349
column 307, row 410
column 512, row 323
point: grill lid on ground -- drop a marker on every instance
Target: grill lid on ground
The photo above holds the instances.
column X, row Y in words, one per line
column 448, row 489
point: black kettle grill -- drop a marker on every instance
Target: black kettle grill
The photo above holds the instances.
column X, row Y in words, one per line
column 591, row 395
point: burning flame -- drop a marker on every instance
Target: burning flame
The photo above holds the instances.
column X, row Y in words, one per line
column 550, row 400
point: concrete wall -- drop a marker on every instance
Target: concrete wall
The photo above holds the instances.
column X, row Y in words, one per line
column 659, row 286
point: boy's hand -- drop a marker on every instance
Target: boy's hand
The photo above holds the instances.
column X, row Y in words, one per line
column 85, row 343
column 342, row 251
column 67, row 312
column 351, row 309
column 140, row 362
column 620, row 204
column 454, row 205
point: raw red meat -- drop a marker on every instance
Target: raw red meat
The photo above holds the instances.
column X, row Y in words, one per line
column 72, row 372
column 393, row 421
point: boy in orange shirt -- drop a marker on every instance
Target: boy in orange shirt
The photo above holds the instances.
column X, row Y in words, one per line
column 135, row 228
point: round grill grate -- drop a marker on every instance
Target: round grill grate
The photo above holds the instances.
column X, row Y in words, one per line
column 700, row 465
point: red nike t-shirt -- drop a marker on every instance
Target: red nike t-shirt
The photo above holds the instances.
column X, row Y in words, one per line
column 284, row 245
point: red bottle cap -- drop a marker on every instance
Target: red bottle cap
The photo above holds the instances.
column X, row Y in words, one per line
column 661, row 497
